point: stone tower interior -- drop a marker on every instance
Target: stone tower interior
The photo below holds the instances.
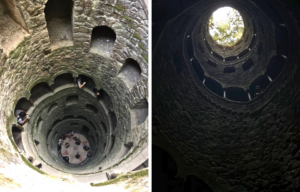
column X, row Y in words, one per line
column 45, row 46
column 211, row 123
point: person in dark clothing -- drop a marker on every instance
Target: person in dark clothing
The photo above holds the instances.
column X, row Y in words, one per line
column 67, row 145
column 75, row 138
column 89, row 154
column 78, row 142
column 66, row 158
column 77, row 156
column 86, row 147
column 39, row 166
column 59, row 148
column 22, row 117
column 63, row 137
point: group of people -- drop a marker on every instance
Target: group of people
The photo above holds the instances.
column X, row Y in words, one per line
column 22, row 116
column 77, row 142
column 30, row 159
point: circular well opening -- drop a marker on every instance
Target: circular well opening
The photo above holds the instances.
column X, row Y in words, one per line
column 226, row 26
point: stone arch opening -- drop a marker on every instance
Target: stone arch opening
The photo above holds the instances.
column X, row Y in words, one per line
column 236, row 94
column 193, row 183
column 262, row 81
column 85, row 130
column 52, row 107
column 102, row 40
column 198, row 69
column 114, row 121
column 59, row 18
column 105, row 98
column 17, row 137
column 214, row 86
column 39, row 90
column 104, row 127
column 130, row 72
column 248, row 64
column 90, row 84
column 91, row 108
column 275, row 66
column 63, row 79
column 12, row 24
column 142, row 166
column 23, row 104
column 72, row 100
column 139, row 113
column 164, row 163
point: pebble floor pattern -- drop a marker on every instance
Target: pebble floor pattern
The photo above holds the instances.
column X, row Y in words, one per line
column 72, row 150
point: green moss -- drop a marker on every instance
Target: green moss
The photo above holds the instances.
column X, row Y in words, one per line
column 119, row 8
column 134, row 176
column 32, row 166
column 11, row 53
column 137, row 36
column 8, row 130
column 7, row 155
column 131, row 26
column 4, row 181
column 126, row 17
column 145, row 57
column 141, row 46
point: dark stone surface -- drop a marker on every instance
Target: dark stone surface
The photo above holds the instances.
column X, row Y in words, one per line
column 231, row 146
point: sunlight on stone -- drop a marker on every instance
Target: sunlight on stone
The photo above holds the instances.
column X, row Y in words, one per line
column 226, row 26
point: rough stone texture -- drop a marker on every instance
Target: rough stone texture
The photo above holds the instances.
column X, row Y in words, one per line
column 35, row 60
column 230, row 146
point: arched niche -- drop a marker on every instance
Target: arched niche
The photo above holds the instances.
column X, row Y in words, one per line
column 102, row 40
column 12, row 25
column 236, row 94
column 248, row 64
column 193, row 183
column 59, row 18
column 105, row 98
column 63, row 79
column 282, row 40
column 85, row 130
column 166, row 166
column 190, row 48
column 229, row 69
column 139, row 113
column 91, row 108
column 130, row 72
column 23, row 104
column 103, row 127
column 39, row 90
column 52, row 107
column 198, row 69
column 17, row 137
column 114, row 121
column 72, row 100
column 261, row 81
column 90, row 84
column 275, row 66
column 142, row 166
column 214, row 86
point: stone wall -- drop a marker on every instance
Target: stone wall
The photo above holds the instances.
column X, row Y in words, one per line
column 35, row 60
column 230, row 146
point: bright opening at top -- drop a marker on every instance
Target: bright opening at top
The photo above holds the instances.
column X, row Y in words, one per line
column 226, row 26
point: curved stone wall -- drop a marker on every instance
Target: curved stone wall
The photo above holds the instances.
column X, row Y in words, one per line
column 37, row 76
column 230, row 145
